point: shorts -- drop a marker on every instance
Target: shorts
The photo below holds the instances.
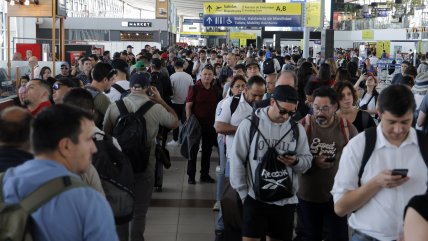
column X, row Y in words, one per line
column 262, row 219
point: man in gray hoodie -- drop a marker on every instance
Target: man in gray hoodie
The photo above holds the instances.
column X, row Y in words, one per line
column 275, row 219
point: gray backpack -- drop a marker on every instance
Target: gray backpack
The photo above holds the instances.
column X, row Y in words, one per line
column 15, row 219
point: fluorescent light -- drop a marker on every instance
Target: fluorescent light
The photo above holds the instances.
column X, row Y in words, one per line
column 12, row 3
column 27, row 2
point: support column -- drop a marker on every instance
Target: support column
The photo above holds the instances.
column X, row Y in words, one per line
column 62, row 39
column 9, row 64
column 53, row 37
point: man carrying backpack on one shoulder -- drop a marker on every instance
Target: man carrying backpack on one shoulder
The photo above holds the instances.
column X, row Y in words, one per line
column 272, row 148
column 61, row 154
column 158, row 114
column 373, row 185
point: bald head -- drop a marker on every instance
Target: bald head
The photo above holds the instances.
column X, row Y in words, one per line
column 33, row 59
column 15, row 127
column 287, row 77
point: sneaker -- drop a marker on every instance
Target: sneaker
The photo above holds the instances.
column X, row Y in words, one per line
column 216, row 207
column 207, row 179
column 173, row 143
column 191, row 180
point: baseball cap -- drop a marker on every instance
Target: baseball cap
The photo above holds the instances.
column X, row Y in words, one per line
column 285, row 93
column 164, row 56
column 129, row 46
column 139, row 65
column 139, row 78
column 65, row 64
column 121, row 65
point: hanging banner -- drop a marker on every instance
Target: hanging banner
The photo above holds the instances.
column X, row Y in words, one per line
column 161, row 9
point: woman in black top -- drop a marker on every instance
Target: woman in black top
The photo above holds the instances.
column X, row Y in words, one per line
column 347, row 107
column 416, row 219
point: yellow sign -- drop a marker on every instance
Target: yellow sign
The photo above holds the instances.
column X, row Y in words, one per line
column 313, row 14
column 381, row 46
column 205, row 33
column 239, row 35
column 243, row 42
column 230, row 8
column 367, row 34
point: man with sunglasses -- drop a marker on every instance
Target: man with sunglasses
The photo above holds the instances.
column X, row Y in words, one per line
column 273, row 219
column 65, row 71
column 327, row 135
column 61, row 87
column 102, row 79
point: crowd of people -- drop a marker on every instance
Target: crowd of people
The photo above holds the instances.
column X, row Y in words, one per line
column 291, row 135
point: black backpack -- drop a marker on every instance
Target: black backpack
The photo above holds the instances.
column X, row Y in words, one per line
column 122, row 91
column 269, row 66
column 371, row 136
column 131, row 133
column 272, row 181
column 117, row 177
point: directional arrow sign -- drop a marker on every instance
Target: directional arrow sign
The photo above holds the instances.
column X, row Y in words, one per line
column 209, row 8
column 209, row 20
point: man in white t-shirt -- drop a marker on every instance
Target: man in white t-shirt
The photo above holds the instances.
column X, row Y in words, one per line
column 200, row 64
column 180, row 82
column 120, row 83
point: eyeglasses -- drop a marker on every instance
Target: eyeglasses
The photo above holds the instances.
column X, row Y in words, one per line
column 56, row 86
column 112, row 73
column 321, row 109
column 283, row 111
column 64, row 68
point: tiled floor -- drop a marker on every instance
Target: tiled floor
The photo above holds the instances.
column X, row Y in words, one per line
column 182, row 212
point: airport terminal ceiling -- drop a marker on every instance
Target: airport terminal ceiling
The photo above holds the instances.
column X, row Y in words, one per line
column 187, row 8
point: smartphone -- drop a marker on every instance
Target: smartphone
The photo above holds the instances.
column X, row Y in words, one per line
column 149, row 92
column 290, row 153
column 402, row 172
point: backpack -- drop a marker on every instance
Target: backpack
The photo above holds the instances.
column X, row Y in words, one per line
column 269, row 66
column 371, row 136
column 344, row 126
column 94, row 92
column 272, row 181
column 131, row 133
column 122, row 91
column 117, row 177
column 15, row 219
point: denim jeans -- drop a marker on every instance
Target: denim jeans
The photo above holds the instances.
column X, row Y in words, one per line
column 317, row 215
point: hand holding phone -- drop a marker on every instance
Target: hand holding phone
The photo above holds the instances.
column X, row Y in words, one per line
column 401, row 172
column 289, row 153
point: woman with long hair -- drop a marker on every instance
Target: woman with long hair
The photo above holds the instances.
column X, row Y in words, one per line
column 45, row 73
column 348, row 109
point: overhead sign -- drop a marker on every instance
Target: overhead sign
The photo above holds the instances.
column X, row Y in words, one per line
column 240, row 35
column 252, row 21
column 192, row 21
column 313, row 14
column 138, row 24
column 230, row 8
column 204, row 33
column 367, row 34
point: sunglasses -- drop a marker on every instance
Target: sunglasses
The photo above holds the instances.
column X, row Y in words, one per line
column 283, row 111
column 56, row 86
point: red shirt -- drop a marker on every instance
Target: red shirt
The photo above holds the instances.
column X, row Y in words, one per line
column 40, row 107
column 204, row 103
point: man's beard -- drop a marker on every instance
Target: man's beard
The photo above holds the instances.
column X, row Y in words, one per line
column 321, row 120
column 27, row 102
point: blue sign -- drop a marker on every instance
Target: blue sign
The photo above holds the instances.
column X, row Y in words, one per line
column 192, row 21
column 253, row 20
